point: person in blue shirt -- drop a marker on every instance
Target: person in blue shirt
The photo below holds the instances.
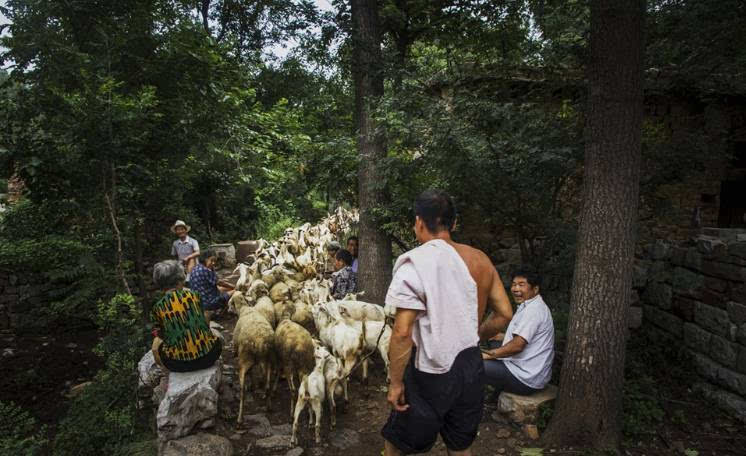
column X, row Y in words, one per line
column 214, row 293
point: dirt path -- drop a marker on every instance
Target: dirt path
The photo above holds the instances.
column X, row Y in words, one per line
column 358, row 426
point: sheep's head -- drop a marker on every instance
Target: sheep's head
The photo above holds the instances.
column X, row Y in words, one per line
column 320, row 353
column 258, row 288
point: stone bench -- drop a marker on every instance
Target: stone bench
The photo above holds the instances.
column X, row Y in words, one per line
column 524, row 410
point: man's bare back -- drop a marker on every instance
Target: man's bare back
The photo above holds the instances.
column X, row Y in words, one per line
column 489, row 288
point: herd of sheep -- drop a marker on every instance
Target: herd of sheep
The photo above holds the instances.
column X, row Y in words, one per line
column 289, row 325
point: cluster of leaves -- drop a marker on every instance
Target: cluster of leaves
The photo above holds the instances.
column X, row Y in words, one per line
column 65, row 264
column 19, row 434
column 104, row 417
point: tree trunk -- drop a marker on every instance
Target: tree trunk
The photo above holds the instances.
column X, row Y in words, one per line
column 589, row 406
column 374, row 273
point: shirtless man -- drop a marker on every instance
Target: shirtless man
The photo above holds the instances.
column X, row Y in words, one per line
column 441, row 291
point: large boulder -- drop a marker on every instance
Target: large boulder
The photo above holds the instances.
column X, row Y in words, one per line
column 191, row 402
column 149, row 372
column 524, row 409
column 226, row 255
column 197, row 445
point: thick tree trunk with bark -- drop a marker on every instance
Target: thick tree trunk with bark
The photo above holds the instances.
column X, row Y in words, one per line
column 589, row 406
column 374, row 273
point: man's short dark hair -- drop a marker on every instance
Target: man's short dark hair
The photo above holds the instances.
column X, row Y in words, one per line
column 344, row 256
column 436, row 209
column 532, row 277
column 205, row 254
column 352, row 238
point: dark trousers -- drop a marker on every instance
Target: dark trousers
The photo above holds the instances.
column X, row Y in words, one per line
column 500, row 378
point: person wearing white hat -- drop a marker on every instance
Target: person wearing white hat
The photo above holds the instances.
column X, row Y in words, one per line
column 186, row 248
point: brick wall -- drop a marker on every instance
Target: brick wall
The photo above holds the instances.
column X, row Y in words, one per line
column 696, row 291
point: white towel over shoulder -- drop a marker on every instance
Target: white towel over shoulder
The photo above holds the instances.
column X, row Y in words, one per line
column 434, row 279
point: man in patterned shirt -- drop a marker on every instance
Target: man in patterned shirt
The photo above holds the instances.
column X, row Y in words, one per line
column 213, row 293
column 182, row 340
column 344, row 280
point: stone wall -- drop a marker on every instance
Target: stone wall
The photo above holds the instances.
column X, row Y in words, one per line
column 696, row 292
column 19, row 295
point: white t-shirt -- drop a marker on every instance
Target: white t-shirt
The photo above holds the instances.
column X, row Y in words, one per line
column 533, row 322
column 434, row 279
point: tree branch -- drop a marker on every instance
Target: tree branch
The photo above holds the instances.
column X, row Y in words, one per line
column 118, row 235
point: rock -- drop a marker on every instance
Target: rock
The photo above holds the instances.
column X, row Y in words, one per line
column 723, row 351
column 219, row 335
column 71, row 346
column 658, row 295
column 8, row 352
column 149, row 372
column 668, row 322
column 705, row 367
column 531, row 431
column 696, row 337
column 499, row 417
column 245, row 248
column 713, row 319
column 198, row 445
column 634, row 319
column 737, row 312
column 226, row 255
column 274, row 442
column 503, row 433
column 235, row 436
column 191, row 399
column 661, row 250
column 501, row 451
column 730, row 402
column 282, row 429
column 297, row 451
column 261, row 427
column 523, row 409
column 159, row 392
column 344, row 438
column 639, row 275
column 711, row 245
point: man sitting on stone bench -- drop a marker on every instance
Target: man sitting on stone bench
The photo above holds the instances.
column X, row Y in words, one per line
column 522, row 364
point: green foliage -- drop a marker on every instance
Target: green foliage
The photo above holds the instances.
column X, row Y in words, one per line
column 57, row 265
column 18, row 432
column 104, row 417
column 651, row 360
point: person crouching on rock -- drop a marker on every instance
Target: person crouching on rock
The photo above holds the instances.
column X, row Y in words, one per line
column 214, row 294
column 182, row 341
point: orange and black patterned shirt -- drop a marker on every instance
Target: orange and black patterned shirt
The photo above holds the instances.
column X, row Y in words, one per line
column 181, row 323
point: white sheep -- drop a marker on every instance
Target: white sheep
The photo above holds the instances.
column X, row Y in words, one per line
column 265, row 306
column 253, row 345
column 377, row 338
column 244, row 277
column 359, row 310
column 237, row 302
column 295, row 349
column 343, row 340
column 333, row 378
column 312, row 392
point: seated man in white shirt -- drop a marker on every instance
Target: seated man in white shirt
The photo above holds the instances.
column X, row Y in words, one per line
column 523, row 364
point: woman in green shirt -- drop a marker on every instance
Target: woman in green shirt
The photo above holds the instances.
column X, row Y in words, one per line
column 182, row 341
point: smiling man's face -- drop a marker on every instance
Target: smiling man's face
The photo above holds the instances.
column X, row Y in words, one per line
column 522, row 291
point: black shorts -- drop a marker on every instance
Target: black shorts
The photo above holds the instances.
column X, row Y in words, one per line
column 449, row 404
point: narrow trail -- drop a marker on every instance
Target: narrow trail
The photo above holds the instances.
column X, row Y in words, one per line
column 359, row 423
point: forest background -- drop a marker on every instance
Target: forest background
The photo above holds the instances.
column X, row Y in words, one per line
column 121, row 117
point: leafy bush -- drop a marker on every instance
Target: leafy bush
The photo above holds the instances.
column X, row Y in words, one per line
column 104, row 418
column 65, row 265
column 18, row 433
